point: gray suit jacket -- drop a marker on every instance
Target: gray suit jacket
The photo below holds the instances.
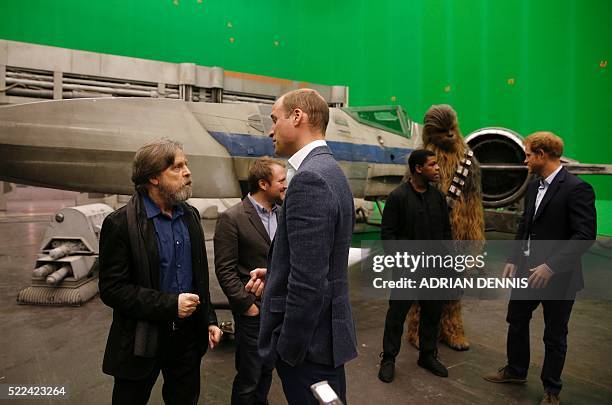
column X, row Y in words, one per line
column 241, row 245
column 306, row 313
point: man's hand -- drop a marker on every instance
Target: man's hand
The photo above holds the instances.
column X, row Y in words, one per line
column 509, row 270
column 187, row 304
column 256, row 283
column 214, row 336
column 540, row 276
column 252, row 311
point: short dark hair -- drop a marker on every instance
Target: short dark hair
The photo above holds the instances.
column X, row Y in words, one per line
column 261, row 170
column 152, row 159
column 418, row 157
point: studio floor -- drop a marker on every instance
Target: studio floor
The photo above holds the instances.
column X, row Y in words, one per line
column 65, row 345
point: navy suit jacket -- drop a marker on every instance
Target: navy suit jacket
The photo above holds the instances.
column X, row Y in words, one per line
column 306, row 313
column 562, row 229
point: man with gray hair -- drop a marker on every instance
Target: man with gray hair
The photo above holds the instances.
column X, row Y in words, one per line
column 154, row 274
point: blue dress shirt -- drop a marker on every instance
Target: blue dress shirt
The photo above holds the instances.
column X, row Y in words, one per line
column 268, row 218
column 174, row 245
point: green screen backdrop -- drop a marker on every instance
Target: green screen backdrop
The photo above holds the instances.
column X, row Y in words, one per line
column 526, row 65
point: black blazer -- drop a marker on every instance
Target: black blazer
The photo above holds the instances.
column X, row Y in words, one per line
column 566, row 219
column 134, row 294
column 241, row 245
column 409, row 215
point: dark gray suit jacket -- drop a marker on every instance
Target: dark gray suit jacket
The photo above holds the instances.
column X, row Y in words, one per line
column 241, row 245
column 306, row 313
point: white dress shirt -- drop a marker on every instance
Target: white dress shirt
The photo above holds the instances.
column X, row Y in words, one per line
column 542, row 189
column 298, row 157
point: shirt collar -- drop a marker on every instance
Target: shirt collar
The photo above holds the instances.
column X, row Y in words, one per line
column 259, row 207
column 298, row 157
column 548, row 181
column 153, row 210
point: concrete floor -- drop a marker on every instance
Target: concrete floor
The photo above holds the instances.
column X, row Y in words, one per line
column 54, row 346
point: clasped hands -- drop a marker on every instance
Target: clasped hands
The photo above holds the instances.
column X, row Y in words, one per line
column 539, row 278
column 187, row 304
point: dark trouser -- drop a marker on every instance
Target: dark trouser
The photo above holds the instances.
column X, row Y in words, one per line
column 429, row 326
column 253, row 379
column 297, row 381
column 179, row 362
column 556, row 317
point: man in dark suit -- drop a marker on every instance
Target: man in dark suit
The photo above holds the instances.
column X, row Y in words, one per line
column 242, row 240
column 154, row 274
column 307, row 327
column 557, row 227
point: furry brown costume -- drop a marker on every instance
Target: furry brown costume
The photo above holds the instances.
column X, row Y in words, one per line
column 441, row 135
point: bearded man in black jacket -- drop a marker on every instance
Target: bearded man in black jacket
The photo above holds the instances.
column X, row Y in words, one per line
column 154, row 274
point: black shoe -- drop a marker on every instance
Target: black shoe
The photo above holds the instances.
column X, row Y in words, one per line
column 387, row 370
column 429, row 361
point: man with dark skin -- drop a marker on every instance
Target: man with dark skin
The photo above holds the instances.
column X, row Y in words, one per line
column 415, row 210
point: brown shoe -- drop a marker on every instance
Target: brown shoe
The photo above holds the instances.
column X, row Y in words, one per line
column 504, row 376
column 550, row 399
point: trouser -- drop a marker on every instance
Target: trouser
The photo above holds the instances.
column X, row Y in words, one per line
column 429, row 326
column 297, row 381
column 179, row 361
column 253, row 378
column 556, row 318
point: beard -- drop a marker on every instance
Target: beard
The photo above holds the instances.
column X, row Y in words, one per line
column 534, row 170
column 174, row 196
column 278, row 200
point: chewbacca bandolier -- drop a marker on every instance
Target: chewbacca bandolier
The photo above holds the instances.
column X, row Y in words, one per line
column 460, row 182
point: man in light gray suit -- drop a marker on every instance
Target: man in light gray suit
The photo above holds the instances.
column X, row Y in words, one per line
column 307, row 328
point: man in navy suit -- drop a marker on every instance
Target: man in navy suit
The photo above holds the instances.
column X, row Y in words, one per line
column 558, row 223
column 307, row 328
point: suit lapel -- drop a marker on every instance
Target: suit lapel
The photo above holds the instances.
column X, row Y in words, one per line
column 255, row 219
column 550, row 193
column 530, row 197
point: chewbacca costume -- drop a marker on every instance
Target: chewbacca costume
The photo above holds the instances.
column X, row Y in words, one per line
column 441, row 135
